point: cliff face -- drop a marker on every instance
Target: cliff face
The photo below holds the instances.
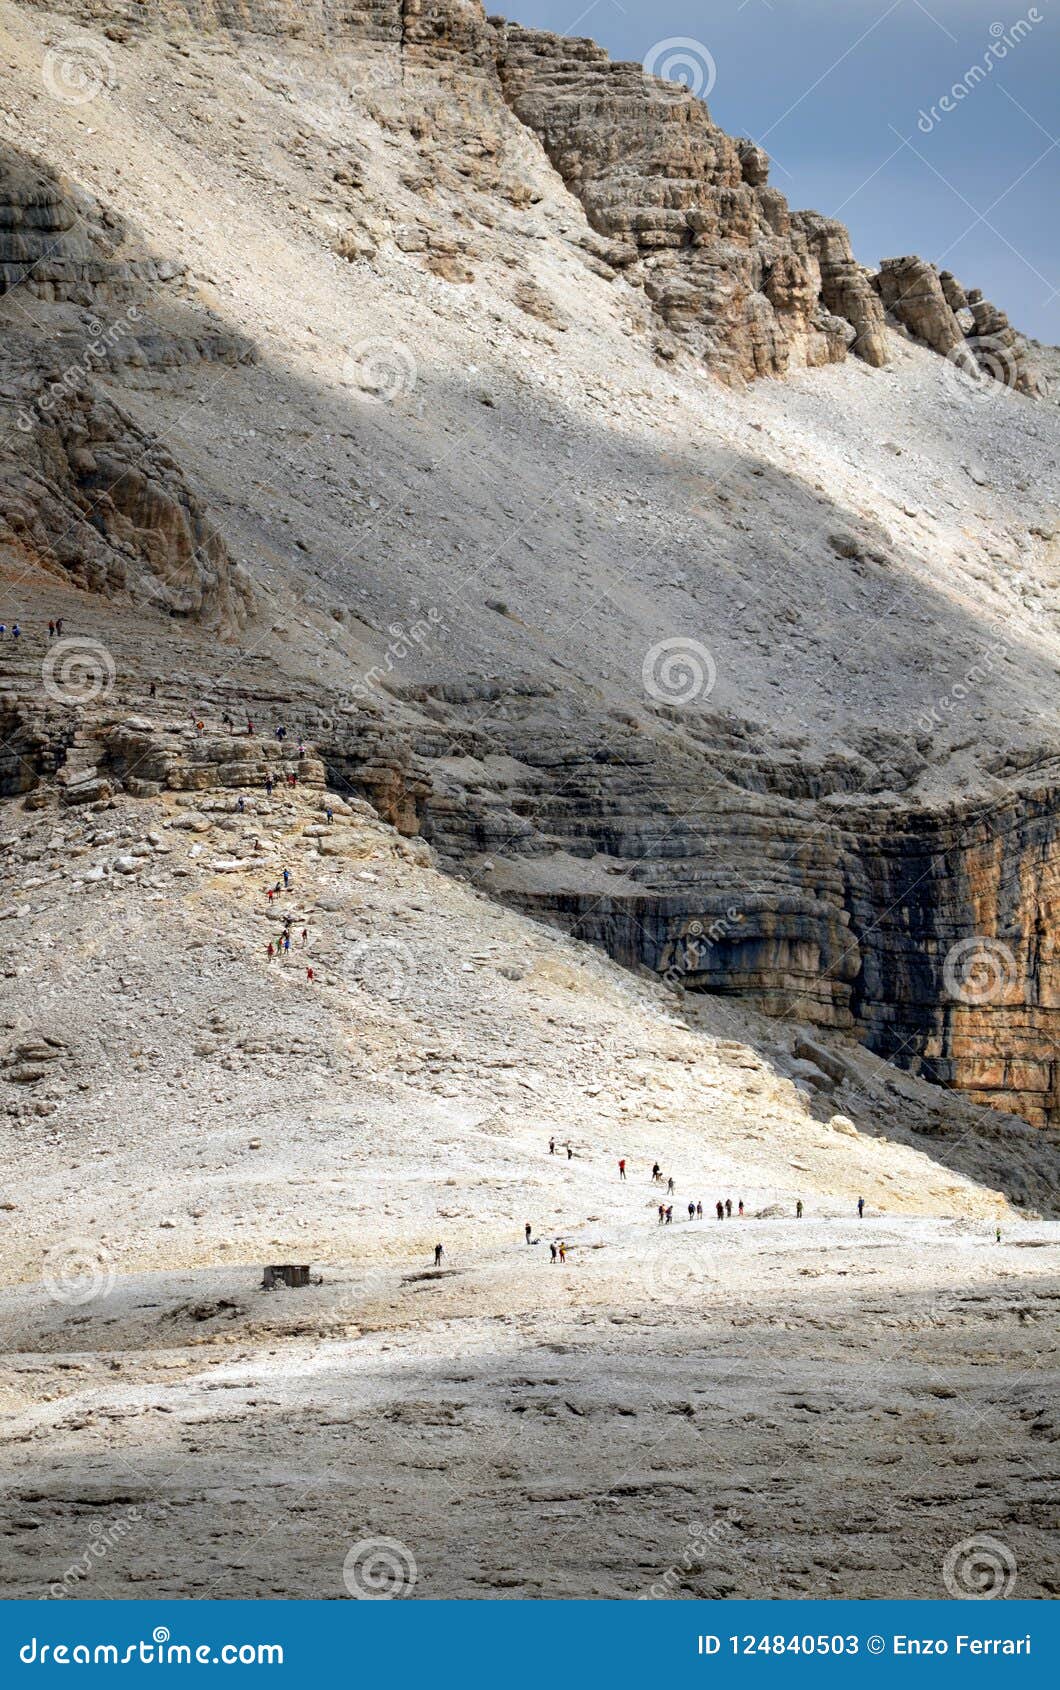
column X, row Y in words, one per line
column 83, row 490
column 928, row 933
column 726, row 265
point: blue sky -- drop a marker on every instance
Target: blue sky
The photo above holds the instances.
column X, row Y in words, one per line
column 841, row 96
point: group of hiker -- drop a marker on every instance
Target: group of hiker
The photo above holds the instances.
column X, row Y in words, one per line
column 55, row 630
column 723, row 1208
column 281, row 946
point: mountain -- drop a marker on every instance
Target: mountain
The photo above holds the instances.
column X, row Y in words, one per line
column 435, row 412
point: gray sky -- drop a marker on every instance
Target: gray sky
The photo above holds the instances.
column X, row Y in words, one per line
column 840, row 93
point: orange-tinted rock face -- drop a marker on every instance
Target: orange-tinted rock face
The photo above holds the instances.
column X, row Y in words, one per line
column 927, row 934
column 966, row 974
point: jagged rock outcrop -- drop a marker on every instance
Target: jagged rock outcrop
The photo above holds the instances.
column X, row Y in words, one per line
column 726, row 266
column 963, row 327
column 83, row 489
column 683, row 209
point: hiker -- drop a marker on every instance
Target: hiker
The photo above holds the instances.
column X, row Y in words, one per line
column 250, row 726
column 59, row 626
column 241, row 804
column 861, row 1207
column 655, row 1172
column 287, row 944
column 281, row 733
column 552, row 1147
column 271, row 952
column 720, row 1206
column 997, row 1235
column 740, row 1209
column 662, row 1213
column 309, row 975
column 570, row 1153
column 305, row 937
column 691, row 1211
column 798, row 1209
column 270, row 893
column 562, row 1252
column 728, row 1208
column 51, row 630
column 670, row 1215
column 699, row 1211
column 329, row 815
column 16, row 631
column 268, row 786
column 670, row 1186
column 526, row 1229
column 200, row 729
column 438, row 1254
column 555, row 1254
column 152, row 690
column 622, row 1168
column 286, row 877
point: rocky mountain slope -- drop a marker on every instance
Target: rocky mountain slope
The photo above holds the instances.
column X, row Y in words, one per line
column 383, row 375
column 789, row 653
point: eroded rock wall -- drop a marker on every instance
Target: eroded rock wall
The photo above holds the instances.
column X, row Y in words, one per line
column 928, row 933
column 725, row 264
column 84, row 491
